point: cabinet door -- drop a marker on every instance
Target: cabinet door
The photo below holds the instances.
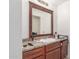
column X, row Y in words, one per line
column 55, row 54
column 27, row 57
column 40, row 57
column 37, row 53
column 64, row 49
column 31, row 57
column 63, row 52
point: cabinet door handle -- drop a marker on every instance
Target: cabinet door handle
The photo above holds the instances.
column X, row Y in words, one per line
column 61, row 44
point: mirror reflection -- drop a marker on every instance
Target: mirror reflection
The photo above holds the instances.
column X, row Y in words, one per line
column 41, row 22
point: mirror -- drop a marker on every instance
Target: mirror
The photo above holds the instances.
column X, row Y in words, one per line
column 40, row 21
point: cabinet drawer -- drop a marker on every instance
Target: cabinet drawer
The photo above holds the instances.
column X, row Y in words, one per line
column 55, row 54
column 34, row 53
column 40, row 57
column 52, row 46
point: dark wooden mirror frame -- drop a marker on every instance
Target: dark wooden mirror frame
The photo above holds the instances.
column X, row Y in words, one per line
column 32, row 5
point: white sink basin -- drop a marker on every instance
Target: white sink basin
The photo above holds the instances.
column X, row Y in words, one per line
column 47, row 40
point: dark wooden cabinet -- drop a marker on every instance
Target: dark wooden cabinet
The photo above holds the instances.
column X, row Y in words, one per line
column 53, row 51
column 34, row 54
column 55, row 54
column 57, row 50
column 64, row 49
column 53, row 46
column 39, row 57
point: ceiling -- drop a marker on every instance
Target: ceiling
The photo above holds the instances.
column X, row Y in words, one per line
column 56, row 2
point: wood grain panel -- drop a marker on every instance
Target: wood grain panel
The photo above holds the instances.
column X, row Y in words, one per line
column 33, row 53
column 55, row 54
column 52, row 46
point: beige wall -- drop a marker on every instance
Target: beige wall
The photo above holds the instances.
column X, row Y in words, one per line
column 15, row 39
column 63, row 18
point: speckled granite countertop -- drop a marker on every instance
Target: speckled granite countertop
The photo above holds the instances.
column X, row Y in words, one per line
column 40, row 43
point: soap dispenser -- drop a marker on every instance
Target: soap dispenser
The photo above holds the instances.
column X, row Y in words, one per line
column 55, row 35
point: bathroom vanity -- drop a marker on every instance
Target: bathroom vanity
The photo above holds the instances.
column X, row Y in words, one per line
column 39, row 26
column 54, row 50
